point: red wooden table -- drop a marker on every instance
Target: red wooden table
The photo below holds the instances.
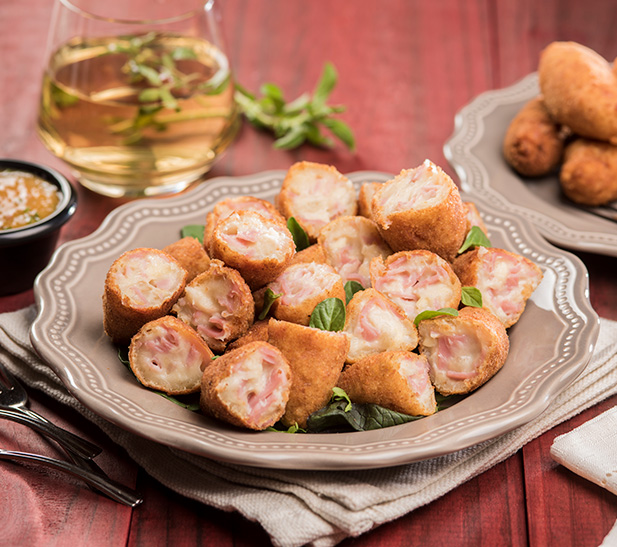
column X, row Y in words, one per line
column 405, row 67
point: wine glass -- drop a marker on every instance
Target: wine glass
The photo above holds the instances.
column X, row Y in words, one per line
column 137, row 96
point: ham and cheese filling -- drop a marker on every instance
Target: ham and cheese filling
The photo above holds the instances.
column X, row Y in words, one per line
column 454, row 354
column 250, row 236
column 257, row 388
column 208, row 307
column 245, row 203
column 416, row 372
column 302, row 281
column 505, row 281
column 415, row 283
column 148, row 279
column 169, row 361
column 318, row 195
column 350, row 243
column 416, row 189
column 377, row 325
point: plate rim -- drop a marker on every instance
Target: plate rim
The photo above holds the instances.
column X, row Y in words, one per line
column 469, row 123
column 281, row 450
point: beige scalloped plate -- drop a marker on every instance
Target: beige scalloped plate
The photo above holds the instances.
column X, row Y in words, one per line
column 550, row 346
column 474, row 151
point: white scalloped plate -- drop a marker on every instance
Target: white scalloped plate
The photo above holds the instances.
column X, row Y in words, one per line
column 550, row 346
column 474, row 151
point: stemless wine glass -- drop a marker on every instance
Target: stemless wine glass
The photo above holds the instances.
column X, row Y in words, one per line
column 137, row 96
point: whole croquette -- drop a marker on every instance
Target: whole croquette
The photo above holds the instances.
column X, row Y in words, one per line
column 533, row 145
column 316, row 358
column 465, row 351
column 169, row 356
column 421, row 208
column 247, row 387
column 141, row 285
column 398, row 380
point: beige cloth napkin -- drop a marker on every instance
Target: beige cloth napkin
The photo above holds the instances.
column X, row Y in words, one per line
column 324, row 507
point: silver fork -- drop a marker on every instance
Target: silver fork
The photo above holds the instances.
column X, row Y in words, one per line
column 13, row 406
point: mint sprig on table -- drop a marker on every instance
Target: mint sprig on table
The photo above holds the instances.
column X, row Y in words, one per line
column 301, row 120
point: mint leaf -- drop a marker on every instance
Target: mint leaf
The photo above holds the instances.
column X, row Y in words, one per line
column 194, row 230
column 351, row 288
column 471, row 296
column 269, row 297
column 475, row 238
column 429, row 314
column 326, row 83
column 279, row 428
column 329, row 315
column 300, row 237
column 338, row 394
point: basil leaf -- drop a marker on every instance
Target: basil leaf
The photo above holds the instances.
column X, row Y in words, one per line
column 190, row 405
column 342, row 131
column 471, row 296
column 338, row 394
column 326, row 84
column 329, row 314
column 475, row 238
column 280, row 428
column 269, row 297
column 361, row 417
column 123, row 355
column 429, row 314
column 194, row 230
column 351, row 288
column 300, row 237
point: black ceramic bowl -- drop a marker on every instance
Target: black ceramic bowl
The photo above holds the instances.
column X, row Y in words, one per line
column 25, row 251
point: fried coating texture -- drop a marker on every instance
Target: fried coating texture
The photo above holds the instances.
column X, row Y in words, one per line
column 398, row 380
column 463, row 352
column 248, row 387
column 258, row 332
column 190, row 254
column 421, row 208
column 313, row 253
column 506, row 280
column 589, row 172
column 316, row 358
column 365, row 198
column 533, row 145
column 473, row 217
column 259, row 248
column 580, row 90
column 169, row 356
column 137, row 292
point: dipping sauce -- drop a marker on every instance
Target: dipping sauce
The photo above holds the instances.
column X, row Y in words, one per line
column 25, row 199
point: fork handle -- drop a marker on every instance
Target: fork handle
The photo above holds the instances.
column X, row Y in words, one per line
column 114, row 490
column 66, row 439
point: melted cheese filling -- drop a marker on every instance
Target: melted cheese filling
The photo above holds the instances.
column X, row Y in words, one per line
column 416, row 372
column 303, row 281
column 249, row 236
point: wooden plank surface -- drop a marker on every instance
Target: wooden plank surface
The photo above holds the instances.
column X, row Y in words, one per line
column 405, row 69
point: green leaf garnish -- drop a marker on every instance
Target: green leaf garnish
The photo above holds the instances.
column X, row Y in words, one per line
column 329, row 315
column 475, row 238
column 191, row 405
column 300, row 237
column 279, row 428
column 471, row 296
column 429, row 314
column 301, row 120
column 269, row 297
column 351, row 288
column 194, row 230
column 338, row 394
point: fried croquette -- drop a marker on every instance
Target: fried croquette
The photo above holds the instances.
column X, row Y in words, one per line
column 218, row 304
column 365, row 198
column 316, row 358
column 506, row 280
column 398, row 380
column 259, row 248
column 314, row 194
column 301, row 287
column 533, row 145
column 248, row 387
column 169, row 356
column 375, row 324
column 421, row 208
column 141, row 285
column 473, row 217
column 589, row 172
column 416, row 281
column 191, row 255
column 463, row 352
column 579, row 90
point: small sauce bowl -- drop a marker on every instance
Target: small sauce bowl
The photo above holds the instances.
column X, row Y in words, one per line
column 26, row 250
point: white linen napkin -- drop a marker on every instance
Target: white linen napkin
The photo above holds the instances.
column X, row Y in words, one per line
column 324, row 506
